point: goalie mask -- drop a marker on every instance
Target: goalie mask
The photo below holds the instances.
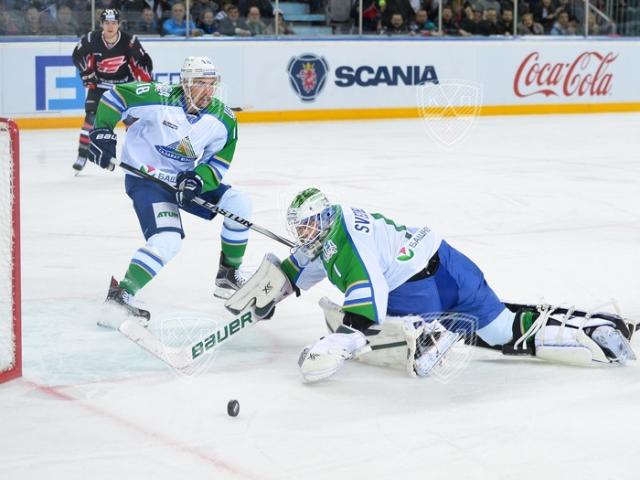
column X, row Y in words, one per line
column 199, row 79
column 309, row 219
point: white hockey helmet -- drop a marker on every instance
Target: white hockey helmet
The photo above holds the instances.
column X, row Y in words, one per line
column 309, row 219
column 197, row 67
column 199, row 79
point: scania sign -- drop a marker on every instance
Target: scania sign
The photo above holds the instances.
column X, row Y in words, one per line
column 308, row 72
column 586, row 75
column 367, row 76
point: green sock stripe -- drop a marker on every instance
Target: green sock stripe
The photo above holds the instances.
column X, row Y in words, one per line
column 233, row 253
column 135, row 278
column 526, row 320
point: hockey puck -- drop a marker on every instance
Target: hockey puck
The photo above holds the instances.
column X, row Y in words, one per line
column 233, row 408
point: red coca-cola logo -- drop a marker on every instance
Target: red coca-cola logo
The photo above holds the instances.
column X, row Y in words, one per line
column 586, row 75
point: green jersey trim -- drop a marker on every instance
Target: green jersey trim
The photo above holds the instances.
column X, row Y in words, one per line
column 346, row 270
column 291, row 269
column 388, row 221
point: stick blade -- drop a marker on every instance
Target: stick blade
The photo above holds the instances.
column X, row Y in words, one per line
column 142, row 337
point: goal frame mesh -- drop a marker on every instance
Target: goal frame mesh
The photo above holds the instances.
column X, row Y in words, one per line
column 14, row 138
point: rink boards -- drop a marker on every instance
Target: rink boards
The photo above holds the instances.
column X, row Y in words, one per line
column 349, row 79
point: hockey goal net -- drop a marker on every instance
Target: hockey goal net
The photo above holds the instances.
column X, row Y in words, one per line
column 10, row 322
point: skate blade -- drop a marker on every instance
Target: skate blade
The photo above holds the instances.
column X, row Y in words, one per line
column 114, row 315
column 223, row 293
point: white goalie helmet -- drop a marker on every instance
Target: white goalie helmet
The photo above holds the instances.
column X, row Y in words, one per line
column 199, row 78
column 309, row 219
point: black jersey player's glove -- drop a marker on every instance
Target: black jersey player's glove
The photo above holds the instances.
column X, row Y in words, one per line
column 103, row 147
column 189, row 187
column 89, row 79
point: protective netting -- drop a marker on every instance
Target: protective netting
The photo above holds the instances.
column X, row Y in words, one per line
column 7, row 310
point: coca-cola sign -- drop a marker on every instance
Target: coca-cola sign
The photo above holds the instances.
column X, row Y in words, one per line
column 586, row 75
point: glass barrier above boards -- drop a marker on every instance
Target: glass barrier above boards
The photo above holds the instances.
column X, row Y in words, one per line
column 209, row 19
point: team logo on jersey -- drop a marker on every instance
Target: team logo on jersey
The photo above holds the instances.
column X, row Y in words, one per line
column 329, row 249
column 111, row 65
column 307, row 75
column 181, row 151
column 163, row 89
column 405, row 254
column 149, row 170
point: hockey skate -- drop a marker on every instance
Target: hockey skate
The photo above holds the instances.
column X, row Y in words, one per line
column 79, row 164
column 121, row 298
column 432, row 345
column 613, row 343
column 228, row 280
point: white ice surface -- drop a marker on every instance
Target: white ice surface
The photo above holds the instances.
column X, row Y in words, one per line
column 548, row 206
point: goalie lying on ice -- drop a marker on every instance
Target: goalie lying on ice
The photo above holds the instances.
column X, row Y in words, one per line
column 397, row 281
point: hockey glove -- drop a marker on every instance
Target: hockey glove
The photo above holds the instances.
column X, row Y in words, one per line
column 189, row 187
column 89, row 80
column 103, row 147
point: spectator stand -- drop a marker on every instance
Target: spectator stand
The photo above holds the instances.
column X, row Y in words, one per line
column 330, row 18
column 303, row 22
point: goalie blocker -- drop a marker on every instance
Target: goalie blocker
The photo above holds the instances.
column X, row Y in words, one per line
column 267, row 287
column 419, row 344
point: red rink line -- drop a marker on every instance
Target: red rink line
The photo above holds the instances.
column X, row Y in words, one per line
column 209, row 459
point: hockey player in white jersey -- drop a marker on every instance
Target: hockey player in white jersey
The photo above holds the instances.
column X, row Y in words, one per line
column 409, row 297
column 184, row 136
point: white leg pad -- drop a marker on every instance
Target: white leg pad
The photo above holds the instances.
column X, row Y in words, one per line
column 394, row 343
column 390, row 345
column 569, row 343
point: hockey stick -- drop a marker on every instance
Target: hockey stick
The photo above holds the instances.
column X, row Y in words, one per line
column 181, row 358
column 209, row 206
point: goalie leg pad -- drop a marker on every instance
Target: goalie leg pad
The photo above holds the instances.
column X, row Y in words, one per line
column 409, row 343
column 390, row 346
column 581, row 340
column 267, row 287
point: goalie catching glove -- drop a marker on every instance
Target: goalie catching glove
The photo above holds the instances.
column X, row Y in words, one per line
column 267, row 287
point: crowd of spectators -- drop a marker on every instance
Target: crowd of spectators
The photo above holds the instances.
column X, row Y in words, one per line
column 244, row 18
column 150, row 17
column 477, row 17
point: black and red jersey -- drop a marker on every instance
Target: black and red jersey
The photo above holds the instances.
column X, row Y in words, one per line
column 125, row 61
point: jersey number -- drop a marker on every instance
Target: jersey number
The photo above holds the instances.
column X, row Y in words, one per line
column 143, row 88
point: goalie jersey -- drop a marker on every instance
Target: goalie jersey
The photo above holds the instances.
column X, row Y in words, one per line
column 163, row 139
column 366, row 255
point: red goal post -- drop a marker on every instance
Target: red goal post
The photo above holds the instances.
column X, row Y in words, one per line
column 10, row 299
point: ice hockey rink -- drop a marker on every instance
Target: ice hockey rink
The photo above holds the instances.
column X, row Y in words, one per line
column 548, row 206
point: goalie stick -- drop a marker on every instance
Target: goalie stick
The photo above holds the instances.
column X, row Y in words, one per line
column 203, row 203
column 182, row 358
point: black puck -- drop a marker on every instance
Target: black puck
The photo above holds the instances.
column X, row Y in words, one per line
column 233, row 408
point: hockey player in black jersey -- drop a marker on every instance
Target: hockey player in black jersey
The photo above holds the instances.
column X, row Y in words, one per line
column 106, row 56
